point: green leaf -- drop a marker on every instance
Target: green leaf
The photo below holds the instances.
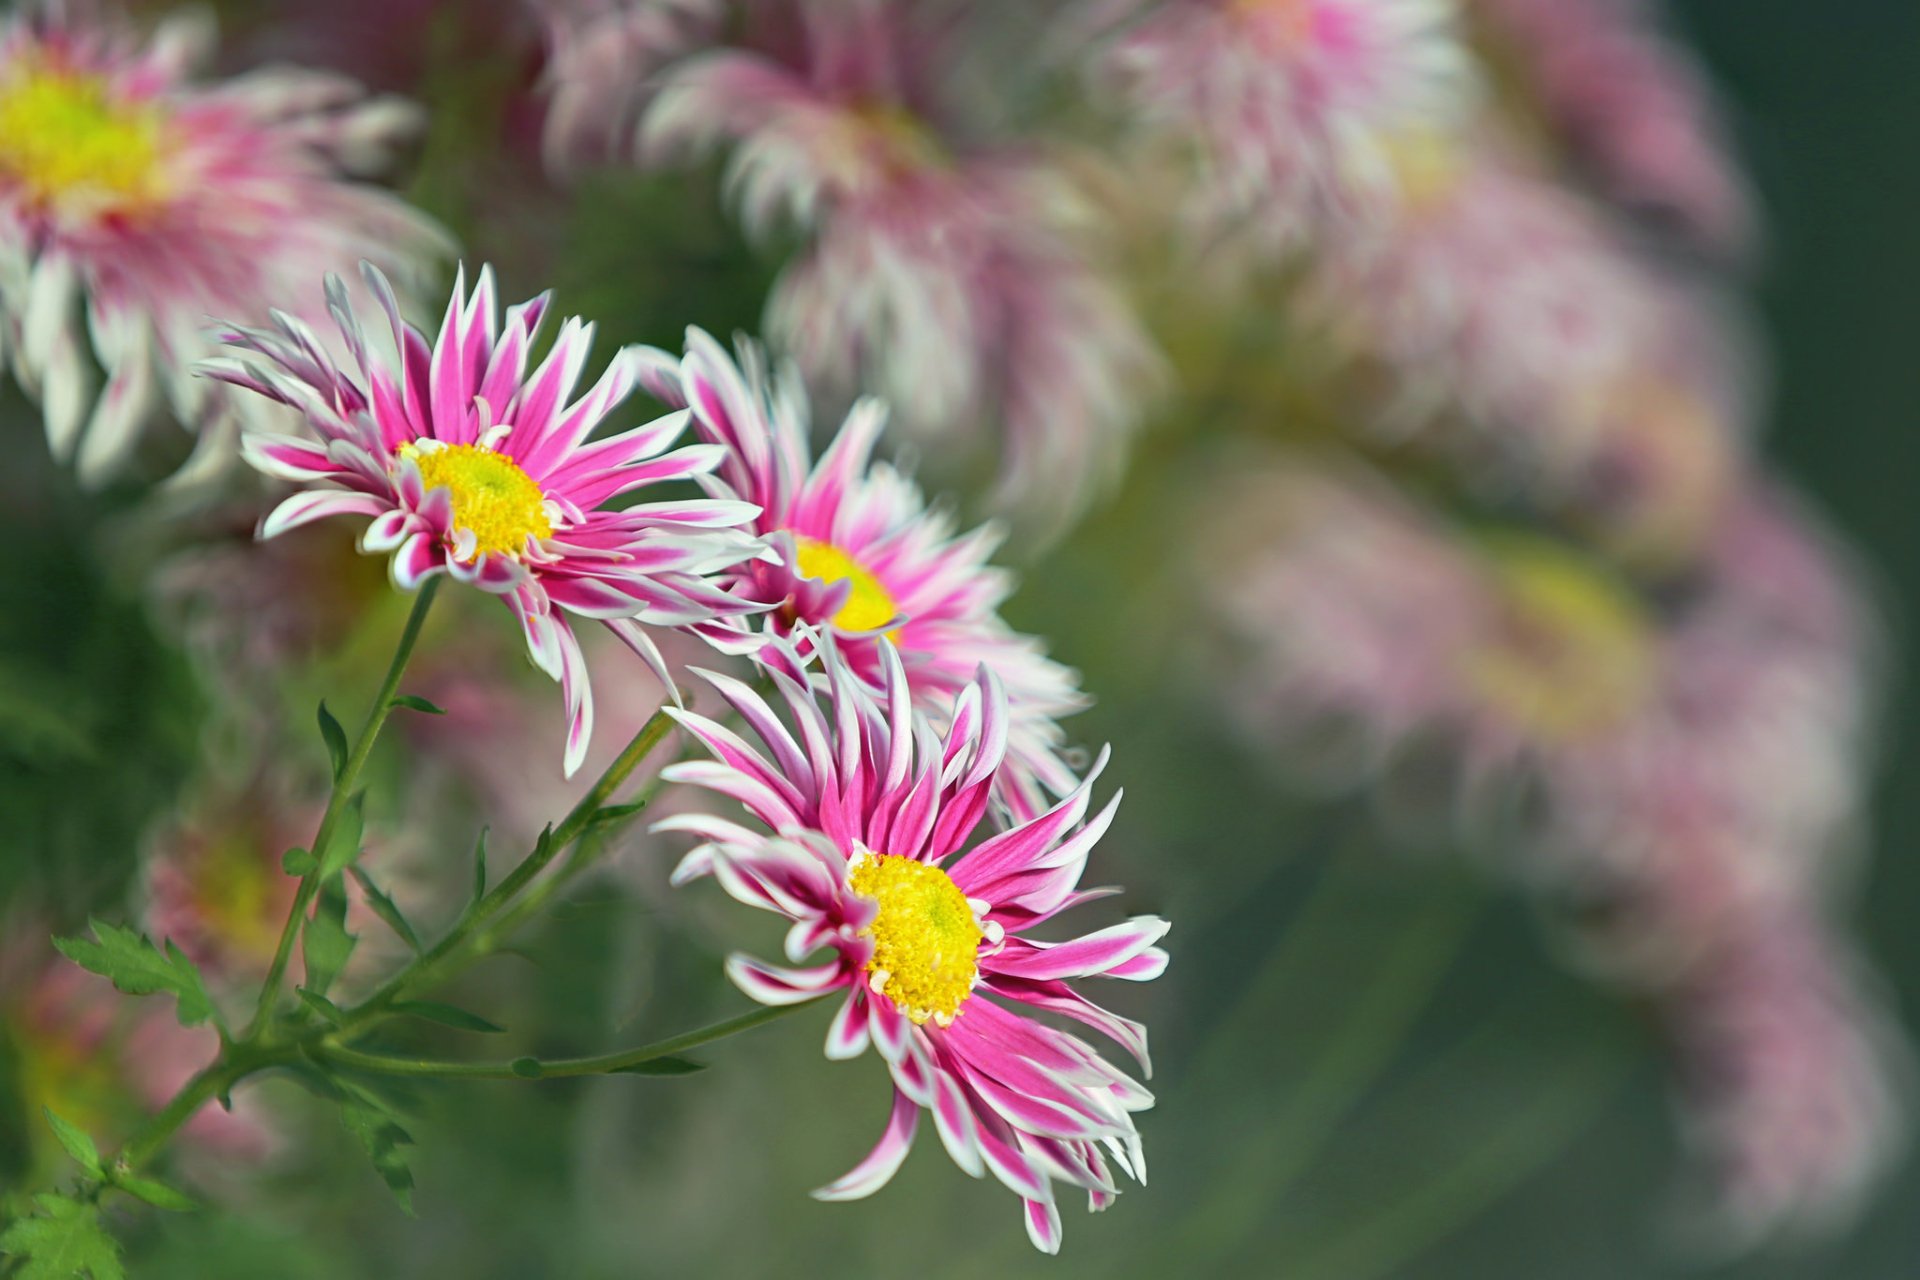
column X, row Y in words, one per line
column 480, row 866
column 326, row 1008
column 298, row 862
column 662, row 1067
column 527, row 1068
column 447, row 1016
column 383, row 1138
column 414, row 702
column 139, row 968
column 326, row 944
column 608, row 814
column 157, row 1194
column 78, row 1144
column 64, row 1239
column 336, row 739
column 384, row 908
column 343, row 841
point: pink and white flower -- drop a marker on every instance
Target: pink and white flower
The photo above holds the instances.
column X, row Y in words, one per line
column 868, row 814
column 471, row 466
column 135, row 202
column 1292, row 107
column 862, row 557
column 958, row 281
column 1630, row 107
column 603, row 57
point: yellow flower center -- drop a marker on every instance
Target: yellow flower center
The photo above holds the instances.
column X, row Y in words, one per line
column 1427, row 166
column 64, row 138
column 1572, row 652
column 868, row 606
column 492, row 497
column 241, row 895
column 926, row 941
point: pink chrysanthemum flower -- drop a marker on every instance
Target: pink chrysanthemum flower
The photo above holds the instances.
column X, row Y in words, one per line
column 868, row 810
column 1293, row 106
column 471, row 466
column 955, row 281
column 134, row 203
column 862, row 556
column 1630, row 107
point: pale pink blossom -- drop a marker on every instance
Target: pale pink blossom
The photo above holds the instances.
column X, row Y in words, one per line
column 135, row 202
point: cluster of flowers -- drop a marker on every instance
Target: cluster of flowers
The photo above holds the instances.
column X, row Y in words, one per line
column 1540, row 599
column 919, row 812
column 1654, row 697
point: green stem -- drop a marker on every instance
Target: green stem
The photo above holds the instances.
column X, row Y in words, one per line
column 343, row 787
column 234, row 1064
column 605, row 1064
column 462, row 937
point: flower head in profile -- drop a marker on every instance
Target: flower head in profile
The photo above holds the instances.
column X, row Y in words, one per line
column 862, row 557
column 469, row 465
column 1292, row 107
column 135, row 202
column 868, row 815
column 958, row 279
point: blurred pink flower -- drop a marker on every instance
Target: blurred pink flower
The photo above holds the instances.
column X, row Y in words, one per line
column 603, row 60
column 863, row 556
column 954, row 280
column 929, row 962
column 1680, row 769
column 214, row 885
column 1517, row 334
column 1793, row 1082
column 1631, row 107
column 470, row 465
column 144, row 202
column 1292, row 106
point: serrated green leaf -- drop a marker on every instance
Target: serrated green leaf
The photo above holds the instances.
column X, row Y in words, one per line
column 298, row 862
column 414, row 702
column 384, row 907
column 325, row 943
column 383, row 1139
column 326, row 1008
column 447, row 1016
column 336, row 739
column 157, row 1194
column 527, row 1068
column 139, row 968
column 64, row 1239
column 343, row 841
column 662, row 1067
column 76, row 1141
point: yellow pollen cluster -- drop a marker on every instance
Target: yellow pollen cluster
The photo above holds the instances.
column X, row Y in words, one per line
column 1278, row 24
column 64, row 138
column 926, row 941
column 492, row 497
column 1572, row 653
column 868, row 603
